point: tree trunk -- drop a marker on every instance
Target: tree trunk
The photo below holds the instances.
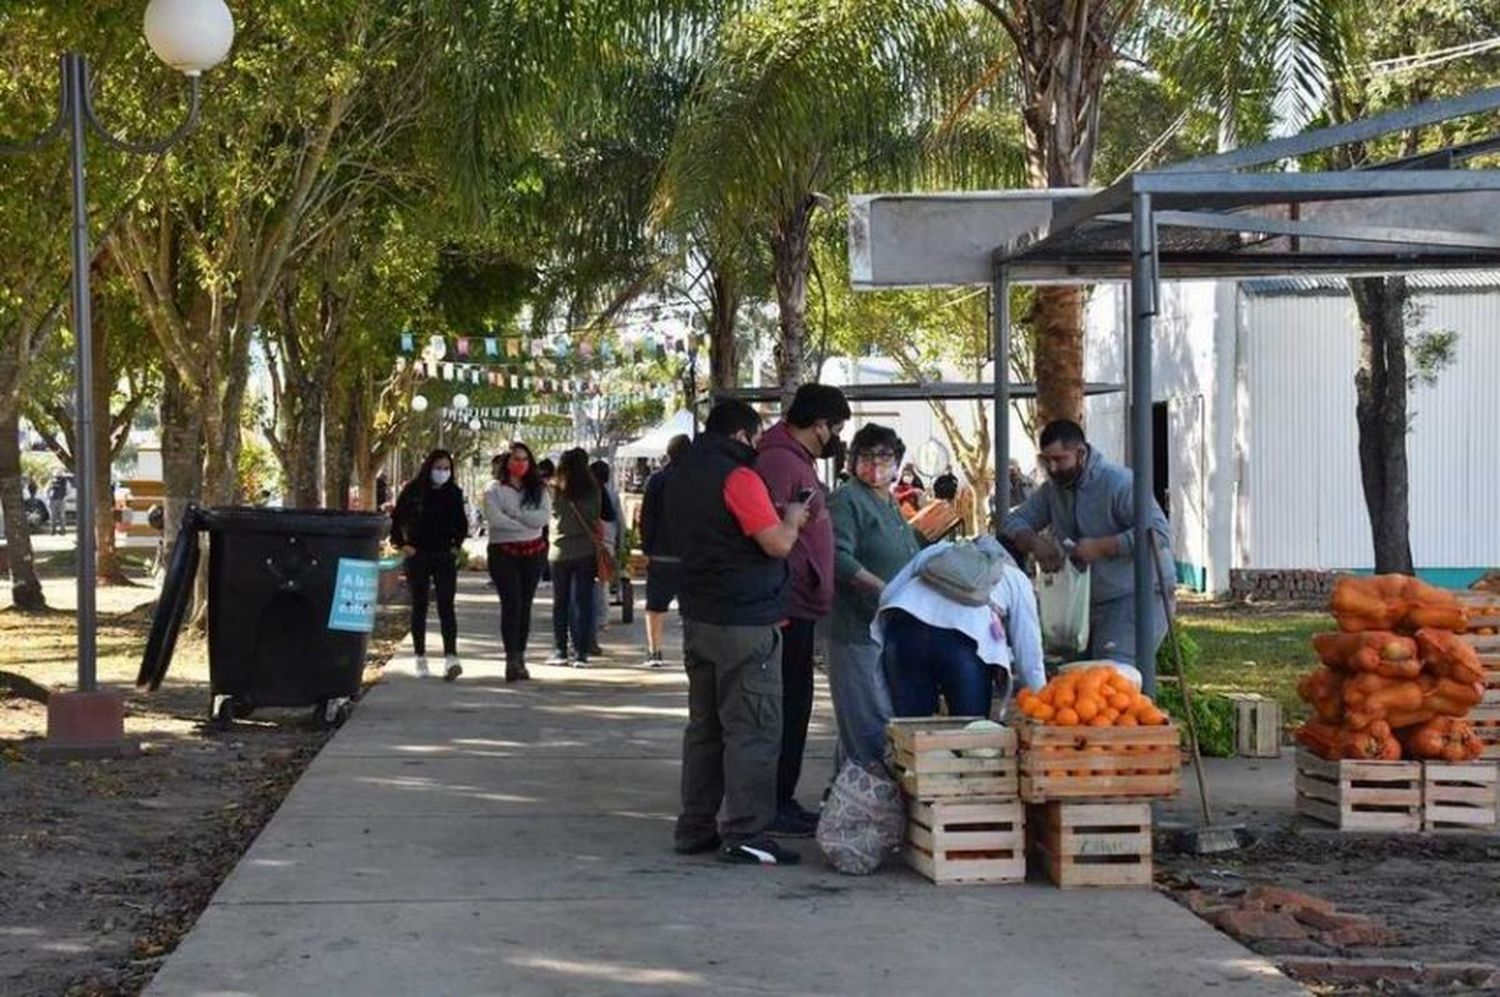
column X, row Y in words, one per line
column 791, row 253
column 304, row 446
column 723, row 351
column 25, row 587
column 1058, row 316
column 338, row 456
column 106, row 558
column 1380, row 410
column 181, row 450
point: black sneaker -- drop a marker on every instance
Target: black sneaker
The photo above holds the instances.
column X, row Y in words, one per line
column 758, row 851
column 698, row 846
column 793, row 823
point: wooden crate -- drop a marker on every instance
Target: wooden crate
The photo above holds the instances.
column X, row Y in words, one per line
column 1092, row 844
column 967, row 841
column 1485, row 644
column 1257, row 725
column 1485, row 719
column 1360, row 796
column 1459, row 796
column 1099, row 763
column 925, row 756
column 1491, row 665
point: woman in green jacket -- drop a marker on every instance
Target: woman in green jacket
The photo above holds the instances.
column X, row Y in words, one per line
column 575, row 531
column 872, row 542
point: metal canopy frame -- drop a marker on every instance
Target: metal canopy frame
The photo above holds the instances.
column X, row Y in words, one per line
column 908, row 392
column 1213, row 218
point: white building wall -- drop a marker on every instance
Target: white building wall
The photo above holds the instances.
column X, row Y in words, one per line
column 1304, row 507
column 1184, row 376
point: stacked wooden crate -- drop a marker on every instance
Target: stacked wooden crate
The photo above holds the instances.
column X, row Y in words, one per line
column 1485, row 718
column 1090, row 787
column 1360, row 795
column 1400, row 796
column 965, row 821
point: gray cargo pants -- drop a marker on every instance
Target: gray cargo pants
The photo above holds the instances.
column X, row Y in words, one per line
column 1112, row 636
column 733, row 738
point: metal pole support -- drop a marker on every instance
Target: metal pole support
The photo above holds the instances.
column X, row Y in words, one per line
column 75, row 84
column 1000, row 319
column 1143, row 295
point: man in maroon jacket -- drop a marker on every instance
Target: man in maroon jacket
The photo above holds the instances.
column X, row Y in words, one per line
column 788, row 450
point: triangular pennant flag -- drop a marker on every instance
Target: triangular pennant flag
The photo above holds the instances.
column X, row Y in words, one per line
column 408, row 342
column 463, row 346
column 491, row 347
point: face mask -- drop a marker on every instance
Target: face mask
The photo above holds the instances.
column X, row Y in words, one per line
column 836, row 450
column 440, row 477
column 874, row 475
column 517, row 468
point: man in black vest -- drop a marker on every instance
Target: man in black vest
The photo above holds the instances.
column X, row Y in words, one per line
column 734, row 592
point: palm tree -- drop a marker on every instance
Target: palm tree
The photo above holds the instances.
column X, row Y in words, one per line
column 799, row 100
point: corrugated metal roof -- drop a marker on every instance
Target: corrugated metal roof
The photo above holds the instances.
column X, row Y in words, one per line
column 1430, row 280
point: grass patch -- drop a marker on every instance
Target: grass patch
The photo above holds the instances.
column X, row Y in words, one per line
column 64, row 563
column 1253, row 649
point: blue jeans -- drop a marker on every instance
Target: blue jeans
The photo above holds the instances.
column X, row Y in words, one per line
column 573, row 604
column 923, row 661
column 861, row 701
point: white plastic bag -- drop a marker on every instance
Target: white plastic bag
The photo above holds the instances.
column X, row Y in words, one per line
column 1063, row 608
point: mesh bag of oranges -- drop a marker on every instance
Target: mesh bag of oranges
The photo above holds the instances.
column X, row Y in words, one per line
column 1096, row 696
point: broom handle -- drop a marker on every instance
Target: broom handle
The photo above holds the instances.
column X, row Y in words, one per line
column 1182, row 679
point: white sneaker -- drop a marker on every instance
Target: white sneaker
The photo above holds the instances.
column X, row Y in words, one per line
column 422, row 671
column 559, row 660
column 453, row 669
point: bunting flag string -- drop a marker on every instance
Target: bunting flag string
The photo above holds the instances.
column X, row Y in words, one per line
column 637, row 349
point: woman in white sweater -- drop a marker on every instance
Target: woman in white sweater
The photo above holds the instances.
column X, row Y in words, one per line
column 516, row 509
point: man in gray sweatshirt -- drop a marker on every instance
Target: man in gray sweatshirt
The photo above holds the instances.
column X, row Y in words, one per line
column 1089, row 501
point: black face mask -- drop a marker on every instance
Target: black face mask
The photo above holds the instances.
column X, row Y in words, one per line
column 836, row 450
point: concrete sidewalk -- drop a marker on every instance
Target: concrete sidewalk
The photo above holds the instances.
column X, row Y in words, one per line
column 481, row 838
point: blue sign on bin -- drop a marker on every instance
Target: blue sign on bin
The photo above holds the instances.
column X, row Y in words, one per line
column 354, row 596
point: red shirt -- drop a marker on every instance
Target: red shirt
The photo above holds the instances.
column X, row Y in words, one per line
column 746, row 497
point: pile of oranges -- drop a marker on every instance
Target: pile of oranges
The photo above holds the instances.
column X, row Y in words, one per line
column 1098, row 696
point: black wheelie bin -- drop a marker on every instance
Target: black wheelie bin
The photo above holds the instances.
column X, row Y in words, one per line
column 291, row 605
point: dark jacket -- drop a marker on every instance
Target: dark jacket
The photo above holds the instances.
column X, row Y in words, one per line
column 726, row 578
column 660, row 538
column 575, row 526
column 788, row 469
column 429, row 519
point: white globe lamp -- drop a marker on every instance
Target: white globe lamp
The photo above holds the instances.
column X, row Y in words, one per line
column 460, row 401
column 191, row 36
column 419, row 403
column 475, row 425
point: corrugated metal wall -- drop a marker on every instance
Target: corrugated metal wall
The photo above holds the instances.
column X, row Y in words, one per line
column 1305, row 508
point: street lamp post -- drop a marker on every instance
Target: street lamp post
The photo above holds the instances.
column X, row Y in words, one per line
column 190, row 36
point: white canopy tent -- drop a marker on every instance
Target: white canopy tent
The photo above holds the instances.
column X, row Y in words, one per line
column 654, row 443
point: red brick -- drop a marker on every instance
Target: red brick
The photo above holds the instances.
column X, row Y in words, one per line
column 1280, row 898
column 1206, row 904
column 1364, row 935
column 1326, row 921
column 1257, row 926
column 1350, row 970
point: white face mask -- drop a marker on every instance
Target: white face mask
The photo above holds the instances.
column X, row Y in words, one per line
column 440, row 477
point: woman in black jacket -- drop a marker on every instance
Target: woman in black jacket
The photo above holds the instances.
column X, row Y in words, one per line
column 429, row 526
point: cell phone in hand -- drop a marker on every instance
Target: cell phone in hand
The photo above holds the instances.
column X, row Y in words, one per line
column 805, row 496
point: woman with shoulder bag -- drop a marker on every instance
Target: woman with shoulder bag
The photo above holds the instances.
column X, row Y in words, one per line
column 428, row 525
column 517, row 508
column 576, row 540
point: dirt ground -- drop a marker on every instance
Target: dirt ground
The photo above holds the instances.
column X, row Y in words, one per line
column 105, row 864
